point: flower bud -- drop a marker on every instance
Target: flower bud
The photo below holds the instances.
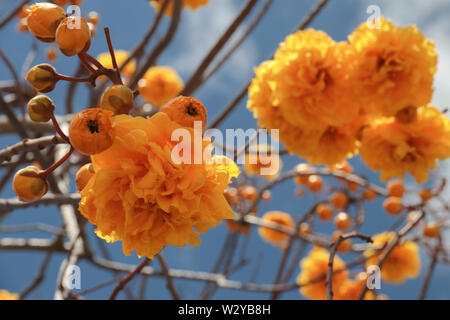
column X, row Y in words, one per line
column 73, row 36
column 118, row 99
column 29, row 185
column 91, row 131
column 40, row 108
column 42, row 77
column 185, row 111
column 43, row 20
column 84, row 175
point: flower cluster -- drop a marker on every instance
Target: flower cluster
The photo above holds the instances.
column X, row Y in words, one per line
column 370, row 94
column 140, row 196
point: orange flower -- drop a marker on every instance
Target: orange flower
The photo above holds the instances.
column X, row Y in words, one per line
column 351, row 289
column 402, row 263
column 312, row 80
column 43, row 20
column 140, row 196
column 72, row 39
column 396, row 148
column 193, row 4
column 315, row 266
column 118, row 99
column 159, row 85
column 185, row 111
column 84, row 174
column 121, row 56
column 262, row 162
column 395, row 67
column 91, row 131
column 5, row 295
column 273, row 236
column 29, row 185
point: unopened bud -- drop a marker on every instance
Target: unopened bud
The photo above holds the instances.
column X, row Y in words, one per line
column 84, row 175
column 118, row 99
column 42, row 77
column 29, row 185
column 40, row 108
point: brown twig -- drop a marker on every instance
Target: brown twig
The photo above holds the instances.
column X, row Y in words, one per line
column 128, row 278
column 162, row 44
column 170, row 285
column 434, row 259
column 334, row 247
column 13, row 13
column 211, row 71
column 196, row 79
column 393, row 243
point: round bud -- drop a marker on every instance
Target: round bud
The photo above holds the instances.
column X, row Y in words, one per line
column 314, row 183
column 84, row 175
column 393, row 205
column 339, row 200
column 186, row 111
column 42, row 77
column 40, row 108
column 91, row 131
column 396, row 188
column 342, row 221
column 249, row 193
column 231, row 195
column 324, row 212
column 43, row 20
column 29, row 185
column 73, row 36
column 118, row 99
column 432, row 230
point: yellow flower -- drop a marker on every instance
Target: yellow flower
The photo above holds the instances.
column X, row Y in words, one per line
column 266, row 110
column 159, row 85
column 315, row 266
column 140, row 195
column 312, row 80
column 402, row 263
column 5, row 295
column 317, row 117
column 193, row 4
column 262, row 162
column 395, row 67
column 337, row 143
column 121, row 55
column 396, row 148
column 281, row 218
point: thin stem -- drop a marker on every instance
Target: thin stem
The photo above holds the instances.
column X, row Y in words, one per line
column 85, row 63
column 72, row 79
column 58, row 129
column 54, row 166
column 128, row 278
column 334, row 247
column 113, row 56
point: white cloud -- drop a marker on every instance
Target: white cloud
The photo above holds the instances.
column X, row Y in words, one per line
column 431, row 17
column 200, row 30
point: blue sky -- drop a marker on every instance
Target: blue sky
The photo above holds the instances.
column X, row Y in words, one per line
column 127, row 21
